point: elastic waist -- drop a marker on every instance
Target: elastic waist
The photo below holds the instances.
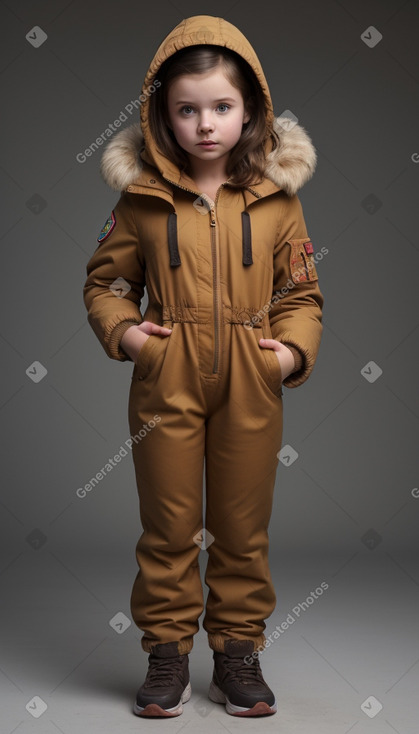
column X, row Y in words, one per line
column 230, row 315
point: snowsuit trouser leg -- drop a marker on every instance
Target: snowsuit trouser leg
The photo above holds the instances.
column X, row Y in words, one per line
column 243, row 438
column 234, row 421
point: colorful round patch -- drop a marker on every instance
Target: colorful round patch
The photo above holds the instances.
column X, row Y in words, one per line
column 107, row 228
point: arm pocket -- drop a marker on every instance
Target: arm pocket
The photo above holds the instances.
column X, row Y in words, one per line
column 302, row 264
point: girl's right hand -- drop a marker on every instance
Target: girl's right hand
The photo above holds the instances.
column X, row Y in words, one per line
column 134, row 338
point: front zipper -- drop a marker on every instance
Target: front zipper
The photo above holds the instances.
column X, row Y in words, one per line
column 215, row 278
column 216, row 283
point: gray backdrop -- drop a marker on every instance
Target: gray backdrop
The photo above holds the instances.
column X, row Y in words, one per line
column 346, row 510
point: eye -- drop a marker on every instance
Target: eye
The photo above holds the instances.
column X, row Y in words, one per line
column 188, row 107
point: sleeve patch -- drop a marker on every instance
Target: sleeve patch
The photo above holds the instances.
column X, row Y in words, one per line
column 107, row 227
column 302, row 263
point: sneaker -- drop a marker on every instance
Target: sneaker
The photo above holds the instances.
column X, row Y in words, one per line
column 238, row 683
column 167, row 685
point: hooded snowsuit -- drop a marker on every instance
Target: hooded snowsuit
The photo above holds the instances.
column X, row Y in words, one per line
column 208, row 398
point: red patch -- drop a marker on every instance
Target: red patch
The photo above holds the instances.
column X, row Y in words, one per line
column 308, row 246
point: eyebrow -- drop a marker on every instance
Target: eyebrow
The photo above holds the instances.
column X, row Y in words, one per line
column 222, row 99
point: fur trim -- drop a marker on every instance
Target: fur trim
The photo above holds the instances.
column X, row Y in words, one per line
column 292, row 164
column 121, row 164
column 289, row 166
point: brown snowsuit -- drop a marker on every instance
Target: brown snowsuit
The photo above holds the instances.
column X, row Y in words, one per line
column 222, row 275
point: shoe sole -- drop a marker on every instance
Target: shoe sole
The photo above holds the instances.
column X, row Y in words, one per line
column 153, row 709
column 261, row 708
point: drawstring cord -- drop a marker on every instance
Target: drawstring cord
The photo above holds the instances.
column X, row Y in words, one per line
column 173, row 240
column 246, row 239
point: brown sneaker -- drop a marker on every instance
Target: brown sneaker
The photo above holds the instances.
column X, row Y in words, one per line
column 238, row 681
column 167, row 683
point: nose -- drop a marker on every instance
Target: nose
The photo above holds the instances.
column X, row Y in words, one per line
column 205, row 122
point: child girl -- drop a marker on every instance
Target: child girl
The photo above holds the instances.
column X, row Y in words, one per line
column 209, row 221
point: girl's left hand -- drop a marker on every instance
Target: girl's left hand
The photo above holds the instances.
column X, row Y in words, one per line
column 285, row 356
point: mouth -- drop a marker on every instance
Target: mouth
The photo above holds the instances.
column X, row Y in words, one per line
column 207, row 144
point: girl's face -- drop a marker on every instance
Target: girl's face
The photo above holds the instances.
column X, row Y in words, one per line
column 206, row 106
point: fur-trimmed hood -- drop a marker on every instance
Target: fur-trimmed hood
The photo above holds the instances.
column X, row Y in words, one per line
column 288, row 167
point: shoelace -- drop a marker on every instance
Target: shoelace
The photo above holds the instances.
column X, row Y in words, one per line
column 242, row 671
column 163, row 670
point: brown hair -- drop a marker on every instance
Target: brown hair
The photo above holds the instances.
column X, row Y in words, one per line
column 247, row 160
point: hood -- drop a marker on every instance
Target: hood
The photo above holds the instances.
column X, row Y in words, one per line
column 288, row 167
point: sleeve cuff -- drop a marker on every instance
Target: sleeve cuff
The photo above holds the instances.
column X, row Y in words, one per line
column 116, row 336
column 297, row 357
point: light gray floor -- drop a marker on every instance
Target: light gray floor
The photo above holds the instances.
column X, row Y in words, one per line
column 358, row 639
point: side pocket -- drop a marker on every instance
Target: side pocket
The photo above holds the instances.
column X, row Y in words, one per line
column 275, row 368
column 273, row 372
column 302, row 265
column 141, row 364
column 150, row 355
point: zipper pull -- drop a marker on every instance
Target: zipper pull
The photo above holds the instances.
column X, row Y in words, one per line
column 212, row 217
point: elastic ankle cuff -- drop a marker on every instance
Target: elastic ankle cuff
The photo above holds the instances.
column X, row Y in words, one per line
column 184, row 646
column 216, row 640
